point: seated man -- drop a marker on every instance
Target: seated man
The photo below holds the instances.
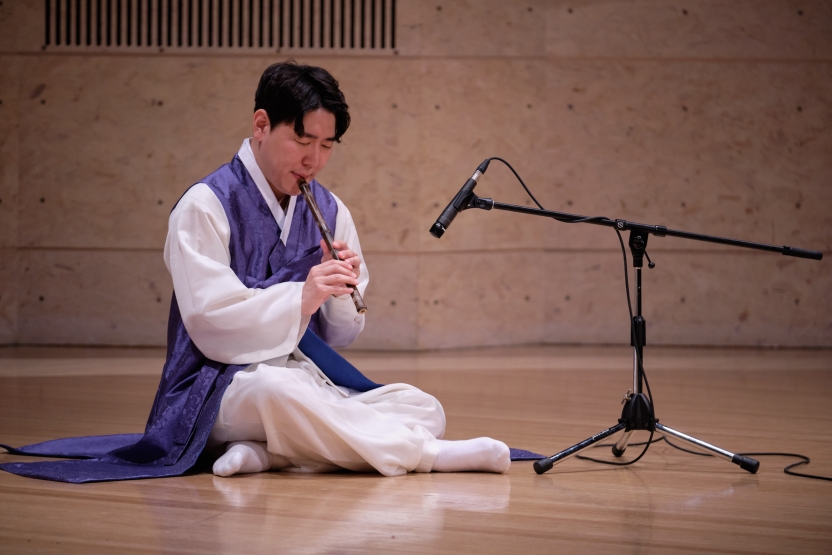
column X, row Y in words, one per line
column 257, row 301
column 281, row 412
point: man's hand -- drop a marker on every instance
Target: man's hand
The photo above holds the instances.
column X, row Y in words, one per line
column 344, row 253
column 330, row 277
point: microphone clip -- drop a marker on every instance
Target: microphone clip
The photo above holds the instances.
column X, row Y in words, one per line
column 481, row 203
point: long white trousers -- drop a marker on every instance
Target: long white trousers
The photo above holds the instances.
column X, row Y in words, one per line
column 392, row 429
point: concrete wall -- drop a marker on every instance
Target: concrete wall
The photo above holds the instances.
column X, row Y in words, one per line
column 706, row 116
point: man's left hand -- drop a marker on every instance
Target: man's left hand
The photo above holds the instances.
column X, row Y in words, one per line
column 344, row 253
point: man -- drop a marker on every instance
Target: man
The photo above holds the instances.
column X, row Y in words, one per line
column 255, row 291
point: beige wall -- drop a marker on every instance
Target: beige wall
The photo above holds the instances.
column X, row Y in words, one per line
column 716, row 119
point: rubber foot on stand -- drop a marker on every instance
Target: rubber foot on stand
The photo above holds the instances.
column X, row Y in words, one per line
column 746, row 463
column 543, row 465
column 617, row 452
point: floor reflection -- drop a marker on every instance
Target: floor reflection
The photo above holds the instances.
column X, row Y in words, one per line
column 350, row 512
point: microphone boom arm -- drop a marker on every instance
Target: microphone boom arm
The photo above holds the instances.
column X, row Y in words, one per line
column 473, row 201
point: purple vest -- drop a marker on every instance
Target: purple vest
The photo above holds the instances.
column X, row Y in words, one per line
column 258, row 257
column 192, row 385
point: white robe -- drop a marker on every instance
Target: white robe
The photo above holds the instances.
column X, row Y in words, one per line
column 282, row 398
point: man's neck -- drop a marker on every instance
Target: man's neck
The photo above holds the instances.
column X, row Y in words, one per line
column 282, row 200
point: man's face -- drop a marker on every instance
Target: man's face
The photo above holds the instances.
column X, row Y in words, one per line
column 284, row 157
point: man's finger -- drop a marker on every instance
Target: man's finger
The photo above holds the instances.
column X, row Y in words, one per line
column 344, row 251
column 338, row 246
column 333, row 266
column 335, row 279
column 349, row 255
column 330, row 264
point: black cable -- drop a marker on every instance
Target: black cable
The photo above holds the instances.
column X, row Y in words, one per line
column 787, row 469
column 650, row 441
column 575, row 221
column 520, row 179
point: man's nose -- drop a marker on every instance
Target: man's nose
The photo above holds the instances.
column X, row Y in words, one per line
column 312, row 157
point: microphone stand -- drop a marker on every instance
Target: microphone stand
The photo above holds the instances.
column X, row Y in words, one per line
column 638, row 410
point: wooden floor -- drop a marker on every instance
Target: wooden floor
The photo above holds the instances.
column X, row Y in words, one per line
column 542, row 399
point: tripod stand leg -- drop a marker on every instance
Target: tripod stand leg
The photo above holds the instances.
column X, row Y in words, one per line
column 544, row 465
column 621, row 445
column 746, row 463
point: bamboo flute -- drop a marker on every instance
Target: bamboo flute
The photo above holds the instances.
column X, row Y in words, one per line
column 328, row 239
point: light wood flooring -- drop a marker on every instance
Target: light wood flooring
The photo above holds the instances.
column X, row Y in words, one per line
column 539, row 398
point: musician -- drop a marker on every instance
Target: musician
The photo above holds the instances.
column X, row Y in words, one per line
column 281, row 412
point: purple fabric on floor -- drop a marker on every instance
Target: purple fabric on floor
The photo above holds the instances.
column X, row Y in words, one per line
column 523, row 455
column 86, row 447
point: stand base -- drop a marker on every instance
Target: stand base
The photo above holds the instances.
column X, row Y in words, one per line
column 544, row 465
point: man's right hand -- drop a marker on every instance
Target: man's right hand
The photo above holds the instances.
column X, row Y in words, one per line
column 328, row 278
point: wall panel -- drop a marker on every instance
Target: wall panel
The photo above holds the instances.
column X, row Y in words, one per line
column 10, row 68
column 392, row 299
column 93, row 297
column 691, row 298
column 112, row 145
column 472, row 28
column 738, row 299
column 481, row 298
column 704, row 29
column 21, row 26
column 9, row 284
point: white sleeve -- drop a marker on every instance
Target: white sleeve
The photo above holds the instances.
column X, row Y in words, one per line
column 340, row 322
column 227, row 321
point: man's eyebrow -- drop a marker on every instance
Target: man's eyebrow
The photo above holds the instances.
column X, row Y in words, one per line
column 311, row 136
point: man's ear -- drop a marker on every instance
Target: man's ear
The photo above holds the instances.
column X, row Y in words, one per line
column 260, row 124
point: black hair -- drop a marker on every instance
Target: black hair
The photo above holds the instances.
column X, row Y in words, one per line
column 287, row 91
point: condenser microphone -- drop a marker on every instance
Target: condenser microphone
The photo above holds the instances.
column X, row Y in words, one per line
column 457, row 204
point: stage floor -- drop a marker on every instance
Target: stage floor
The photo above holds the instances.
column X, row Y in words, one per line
column 538, row 398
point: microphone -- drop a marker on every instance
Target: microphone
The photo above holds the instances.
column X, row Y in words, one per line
column 457, row 204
